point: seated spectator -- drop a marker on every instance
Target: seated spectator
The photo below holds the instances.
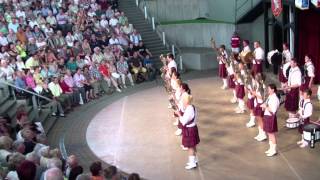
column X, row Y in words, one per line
column 111, row 173
column 72, row 65
column 136, row 66
column 80, row 82
column 27, row 170
column 53, row 174
column 54, row 104
column 143, row 51
column 96, row 171
column 13, row 163
column 58, row 95
column 105, row 72
column 134, row 176
column 135, row 38
column 123, row 70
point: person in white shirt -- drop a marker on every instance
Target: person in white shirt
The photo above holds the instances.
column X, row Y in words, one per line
column 190, row 134
column 240, row 93
column 104, row 22
column 3, row 40
column 309, row 73
column 258, row 58
column 246, row 47
column 79, row 80
column 70, row 39
column 286, row 52
column 171, row 65
column 270, row 124
column 286, row 58
column 113, row 40
column 305, row 112
column 294, row 82
column 113, row 21
column 135, row 38
column 6, row 72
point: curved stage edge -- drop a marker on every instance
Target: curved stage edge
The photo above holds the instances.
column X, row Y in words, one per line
column 135, row 133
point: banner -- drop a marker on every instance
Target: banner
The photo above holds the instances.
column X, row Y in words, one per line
column 276, row 6
column 316, row 3
column 302, row 4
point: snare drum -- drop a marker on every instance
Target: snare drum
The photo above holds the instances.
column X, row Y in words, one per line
column 310, row 129
column 293, row 123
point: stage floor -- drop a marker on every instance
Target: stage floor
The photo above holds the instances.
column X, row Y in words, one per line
column 136, row 134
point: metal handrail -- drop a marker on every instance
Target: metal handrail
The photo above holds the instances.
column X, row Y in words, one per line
column 25, row 90
column 159, row 32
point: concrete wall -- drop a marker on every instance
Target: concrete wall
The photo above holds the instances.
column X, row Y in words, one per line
column 199, row 35
column 168, row 10
column 222, row 10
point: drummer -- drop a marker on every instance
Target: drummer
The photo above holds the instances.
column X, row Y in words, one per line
column 308, row 73
column 294, row 82
column 305, row 112
column 286, row 54
column 258, row 58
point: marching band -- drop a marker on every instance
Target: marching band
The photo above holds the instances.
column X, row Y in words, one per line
column 243, row 74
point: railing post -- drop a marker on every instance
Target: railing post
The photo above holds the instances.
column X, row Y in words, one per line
column 164, row 38
column 173, row 50
column 145, row 12
column 153, row 24
column 13, row 93
column 180, row 62
column 35, row 107
column 137, row 2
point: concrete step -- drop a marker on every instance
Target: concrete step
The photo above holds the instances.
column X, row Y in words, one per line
column 5, row 107
column 4, row 99
column 49, row 123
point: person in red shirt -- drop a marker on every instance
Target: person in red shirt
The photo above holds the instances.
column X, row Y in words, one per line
column 235, row 43
column 104, row 70
column 67, row 90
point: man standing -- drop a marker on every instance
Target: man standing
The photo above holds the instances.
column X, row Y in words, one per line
column 235, row 43
column 258, row 58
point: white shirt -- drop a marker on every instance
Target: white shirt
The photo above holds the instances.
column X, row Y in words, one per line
column 273, row 104
column 305, row 108
column 294, row 76
column 113, row 22
column 104, row 23
column 77, row 79
column 6, row 73
column 113, row 41
column 188, row 115
column 172, row 64
column 4, row 41
column 287, row 55
column 284, row 68
column 225, row 55
column 258, row 55
column 246, row 48
column 310, row 69
column 20, row 65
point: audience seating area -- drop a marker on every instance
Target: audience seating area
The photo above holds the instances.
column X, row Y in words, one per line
column 57, row 55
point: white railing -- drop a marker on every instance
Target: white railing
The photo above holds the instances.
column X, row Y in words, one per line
column 175, row 50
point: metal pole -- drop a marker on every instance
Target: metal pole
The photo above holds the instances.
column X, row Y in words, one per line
column 145, row 12
column 137, row 2
column 35, row 107
column 153, row 24
column 181, row 65
column 164, row 38
column 172, row 49
column 291, row 19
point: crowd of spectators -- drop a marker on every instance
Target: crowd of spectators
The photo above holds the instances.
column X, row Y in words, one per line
column 72, row 52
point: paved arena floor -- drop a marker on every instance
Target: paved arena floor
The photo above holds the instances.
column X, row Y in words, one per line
column 140, row 138
column 133, row 130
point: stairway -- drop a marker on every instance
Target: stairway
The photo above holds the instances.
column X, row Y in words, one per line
column 149, row 37
column 9, row 107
